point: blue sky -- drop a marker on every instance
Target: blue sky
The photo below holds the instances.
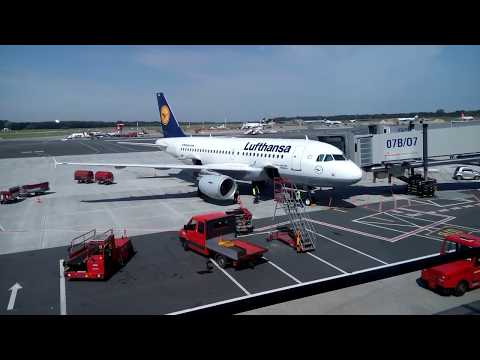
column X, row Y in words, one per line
column 211, row 83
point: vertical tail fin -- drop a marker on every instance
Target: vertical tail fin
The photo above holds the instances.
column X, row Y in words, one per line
column 170, row 126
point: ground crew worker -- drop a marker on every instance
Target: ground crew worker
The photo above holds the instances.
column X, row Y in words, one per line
column 235, row 197
column 256, row 193
column 298, row 195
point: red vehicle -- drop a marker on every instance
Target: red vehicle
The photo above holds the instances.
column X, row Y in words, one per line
column 34, row 189
column 132, row 134
column 459, row 276
column 104, row 177
column 83, row 176
column 96, row 257
column 9, row 196
column 213, row 235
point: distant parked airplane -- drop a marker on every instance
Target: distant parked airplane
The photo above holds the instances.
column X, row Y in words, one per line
column 408, row 119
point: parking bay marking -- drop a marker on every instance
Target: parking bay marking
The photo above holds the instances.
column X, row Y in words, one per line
column 329, row 264
column 183, row 311
column 230, row 277
column 349, row 247
column 281, row 270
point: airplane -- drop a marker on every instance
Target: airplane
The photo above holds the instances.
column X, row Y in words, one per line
column 220, row 161
column 77, row 136
column 463, row 117
column 331, row 122
column 408, row 119
column 252, row 125
column 254, row 131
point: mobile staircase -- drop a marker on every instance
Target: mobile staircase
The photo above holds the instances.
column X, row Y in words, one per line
column 300, row 234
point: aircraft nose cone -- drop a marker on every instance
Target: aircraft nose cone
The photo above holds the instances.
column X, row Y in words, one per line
column 357, row 174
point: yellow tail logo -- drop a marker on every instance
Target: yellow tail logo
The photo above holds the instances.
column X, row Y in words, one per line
column 164, row 115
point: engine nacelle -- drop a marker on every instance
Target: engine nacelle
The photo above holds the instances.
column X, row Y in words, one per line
column 218, row 187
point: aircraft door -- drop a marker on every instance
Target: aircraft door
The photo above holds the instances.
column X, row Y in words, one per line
column 296, row 161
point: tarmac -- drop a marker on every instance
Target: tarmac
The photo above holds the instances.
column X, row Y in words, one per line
column 363, row 227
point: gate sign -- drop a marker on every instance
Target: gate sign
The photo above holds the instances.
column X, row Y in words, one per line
column 397, row 146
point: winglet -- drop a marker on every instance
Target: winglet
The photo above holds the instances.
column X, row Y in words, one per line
column 55, row 163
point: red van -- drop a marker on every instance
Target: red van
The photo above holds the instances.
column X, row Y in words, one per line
column 455, row 277
column 104, row 177
column 83, row 176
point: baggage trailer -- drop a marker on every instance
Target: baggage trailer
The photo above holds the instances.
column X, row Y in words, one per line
column 34, row 189
column 213, row 235
column 455, row 277
column 9, row 196
column 104, row 177
column 83, row 176
column 97, row 256
column 243, row 220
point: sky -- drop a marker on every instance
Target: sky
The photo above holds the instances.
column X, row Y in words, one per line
column 237, row 83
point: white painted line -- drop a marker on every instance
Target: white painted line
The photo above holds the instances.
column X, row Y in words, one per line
column 468, row 206
column 443, row 210
column 281, row 270
column 26, row 152
column 63, row 300
column 349, row 230
column 326, row 262
column 456, row 208
column 230, row 277
column 343, row 211
column 416, row 231
column 351, row 248
column 402, row 219
column 39, row 151
column 299, row 285
column 379, row 223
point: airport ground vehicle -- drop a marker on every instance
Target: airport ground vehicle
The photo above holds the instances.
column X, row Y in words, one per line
column 466, row 173
column 10, row 195
column 458, row 276
column 34, row 189
column 104, row 177
column 97, row 256
column 213, row 235
column 83, row 176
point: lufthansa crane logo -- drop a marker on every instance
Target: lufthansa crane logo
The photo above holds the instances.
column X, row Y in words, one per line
column 164, row 115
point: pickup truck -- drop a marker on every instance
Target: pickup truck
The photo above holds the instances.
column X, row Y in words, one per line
column 213, row 235
column 455, row 277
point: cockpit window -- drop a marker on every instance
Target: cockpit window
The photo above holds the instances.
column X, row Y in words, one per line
column 328, row 158
column 320, row 157
column 339, row 157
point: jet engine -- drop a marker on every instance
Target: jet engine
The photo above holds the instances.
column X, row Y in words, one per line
column 218, row 187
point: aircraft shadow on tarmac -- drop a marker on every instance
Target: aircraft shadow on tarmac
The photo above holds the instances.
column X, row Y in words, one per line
column 191, row 194
column 246, row 266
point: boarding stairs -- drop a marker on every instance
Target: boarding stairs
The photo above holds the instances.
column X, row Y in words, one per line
column 287, row 197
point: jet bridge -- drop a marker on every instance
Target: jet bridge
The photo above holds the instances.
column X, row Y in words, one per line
column 398, row 154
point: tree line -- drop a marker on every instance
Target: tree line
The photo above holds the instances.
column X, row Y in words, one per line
column 100, row 124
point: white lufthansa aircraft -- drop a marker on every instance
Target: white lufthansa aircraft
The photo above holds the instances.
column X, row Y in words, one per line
column 220, row 161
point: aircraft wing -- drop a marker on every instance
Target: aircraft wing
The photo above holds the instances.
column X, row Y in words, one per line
column 213, row 167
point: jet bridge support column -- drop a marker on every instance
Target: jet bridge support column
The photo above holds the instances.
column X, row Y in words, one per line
column 425, row 151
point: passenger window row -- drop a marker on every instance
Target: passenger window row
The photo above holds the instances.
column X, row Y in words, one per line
column 226, row 152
